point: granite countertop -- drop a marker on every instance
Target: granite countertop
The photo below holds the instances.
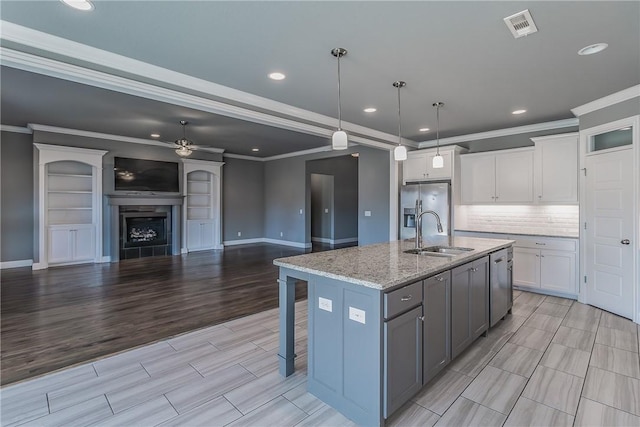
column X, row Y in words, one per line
column 385, row 265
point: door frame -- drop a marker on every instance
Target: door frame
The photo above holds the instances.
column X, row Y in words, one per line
column 585, row 136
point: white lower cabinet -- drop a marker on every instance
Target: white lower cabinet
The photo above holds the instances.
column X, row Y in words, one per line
column 546, row 265
column 200, row 234
column 71, row 243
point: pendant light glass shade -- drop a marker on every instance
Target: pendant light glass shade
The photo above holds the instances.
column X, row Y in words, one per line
column 438, row 160
column 339, row 139
column 400, row 152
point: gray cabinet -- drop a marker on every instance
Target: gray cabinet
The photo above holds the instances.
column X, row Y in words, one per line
column 402, row 359
column 437, row 325
column 469, row 303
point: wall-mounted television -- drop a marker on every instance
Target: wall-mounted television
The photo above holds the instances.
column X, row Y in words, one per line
column 145, row 175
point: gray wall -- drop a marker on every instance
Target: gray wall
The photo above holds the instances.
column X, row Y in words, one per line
column 373, row 195
column 242, row 199
column 16, row 197
column 612, row 113
column 286, row 184
column 344, row 169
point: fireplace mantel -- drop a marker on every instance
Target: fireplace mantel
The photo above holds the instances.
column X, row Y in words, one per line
column 145, row 199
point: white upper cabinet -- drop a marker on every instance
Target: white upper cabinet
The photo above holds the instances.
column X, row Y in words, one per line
column 503, row 177
column 419, row 165
column 556, row 168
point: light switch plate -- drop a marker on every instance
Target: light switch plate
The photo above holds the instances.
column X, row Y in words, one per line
column 325, row 304
column 326, row 210
column 357, row 315
column 367, row 213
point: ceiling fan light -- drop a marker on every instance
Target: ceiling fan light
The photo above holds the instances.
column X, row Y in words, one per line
column 183, row 151
column 438, row 162
column 339, row 140
column 400, row 153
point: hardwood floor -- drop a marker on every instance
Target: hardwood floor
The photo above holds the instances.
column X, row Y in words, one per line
column 62, row 316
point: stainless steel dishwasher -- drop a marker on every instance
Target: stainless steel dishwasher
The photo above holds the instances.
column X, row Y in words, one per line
column 501, row 293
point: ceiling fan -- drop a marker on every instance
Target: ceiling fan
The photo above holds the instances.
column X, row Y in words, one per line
column 184, row 147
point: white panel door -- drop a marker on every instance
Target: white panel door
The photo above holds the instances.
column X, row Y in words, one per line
column 558, row 171
column 415, row 167
column 194, row 234
column 478, row 179
column 558, row 271
column 60, row 245
column 514, row 177
column 207, row 234
column 609, row 217
column 83, row 241
column 526, row 267
column 440, row 173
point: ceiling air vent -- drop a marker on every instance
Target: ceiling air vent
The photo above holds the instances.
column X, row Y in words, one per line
column 521, row 24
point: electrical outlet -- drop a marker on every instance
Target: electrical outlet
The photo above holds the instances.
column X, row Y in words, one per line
column 281, row 234
column 325, row 304
column 239, row 233
column 300, row 211
column 326, row 210
column 367, row 213
column 357, row 315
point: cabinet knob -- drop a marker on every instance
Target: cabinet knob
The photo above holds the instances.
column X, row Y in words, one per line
column 539, row 197
column 440, row 278
column 625, row 241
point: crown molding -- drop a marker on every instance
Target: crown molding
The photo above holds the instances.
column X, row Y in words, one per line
column 554, row 137
column 15, row 129
column 111, row 137
column 244, row 157
column 607, row 101
column 282, row 156
column 558, row 124
column 34, row 39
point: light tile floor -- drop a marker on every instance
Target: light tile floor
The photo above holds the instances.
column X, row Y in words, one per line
column 553, row 362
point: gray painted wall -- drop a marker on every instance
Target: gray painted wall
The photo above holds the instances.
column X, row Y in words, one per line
column 16, row 197
column 344, row 169
column 242, row 199
column 373, row 196
column 612, row 113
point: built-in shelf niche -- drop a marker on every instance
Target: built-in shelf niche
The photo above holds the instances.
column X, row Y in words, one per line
column 202, row 208
column 69, row 205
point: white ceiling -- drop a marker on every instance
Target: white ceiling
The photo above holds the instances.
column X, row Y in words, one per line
column 457, row 52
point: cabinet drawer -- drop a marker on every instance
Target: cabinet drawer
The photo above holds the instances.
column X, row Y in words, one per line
column 402, row 299
column 551, row 244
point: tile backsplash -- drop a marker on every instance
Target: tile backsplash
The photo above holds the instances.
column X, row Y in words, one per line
column 539, row 219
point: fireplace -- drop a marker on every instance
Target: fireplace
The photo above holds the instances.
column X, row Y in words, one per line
column 146, row 229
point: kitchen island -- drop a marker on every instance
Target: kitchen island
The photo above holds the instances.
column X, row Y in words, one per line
column 383, row 322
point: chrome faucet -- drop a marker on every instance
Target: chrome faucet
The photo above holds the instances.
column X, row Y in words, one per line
column 419, row 214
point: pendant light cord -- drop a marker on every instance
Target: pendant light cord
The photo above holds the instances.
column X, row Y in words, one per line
column 339, row 101
column 438, row 129
column 399, row 118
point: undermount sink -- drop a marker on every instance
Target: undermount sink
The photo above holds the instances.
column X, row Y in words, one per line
column 439, row 251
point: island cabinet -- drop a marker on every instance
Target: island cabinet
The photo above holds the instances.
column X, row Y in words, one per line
column 469, row 303
column 437, row 325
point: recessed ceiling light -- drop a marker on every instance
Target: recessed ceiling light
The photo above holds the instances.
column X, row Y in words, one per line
column 424, row 129
column 84, row 5
column 593, row 48
column 155, row 135
column 519, row 112
column 277, row 76
column 370, row 110
column 255, row 149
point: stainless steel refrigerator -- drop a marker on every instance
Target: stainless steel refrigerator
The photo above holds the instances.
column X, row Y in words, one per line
column 434, row 196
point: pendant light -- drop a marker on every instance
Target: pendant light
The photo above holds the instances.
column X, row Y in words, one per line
column 438, row 161
column 339, row 138
column 400, row 152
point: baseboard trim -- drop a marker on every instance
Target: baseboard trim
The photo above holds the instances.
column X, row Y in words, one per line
column 16, row 264
column 265, row 240
column 242, row 241
column 334, row 242
column 105, row 259
column 39, row 266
